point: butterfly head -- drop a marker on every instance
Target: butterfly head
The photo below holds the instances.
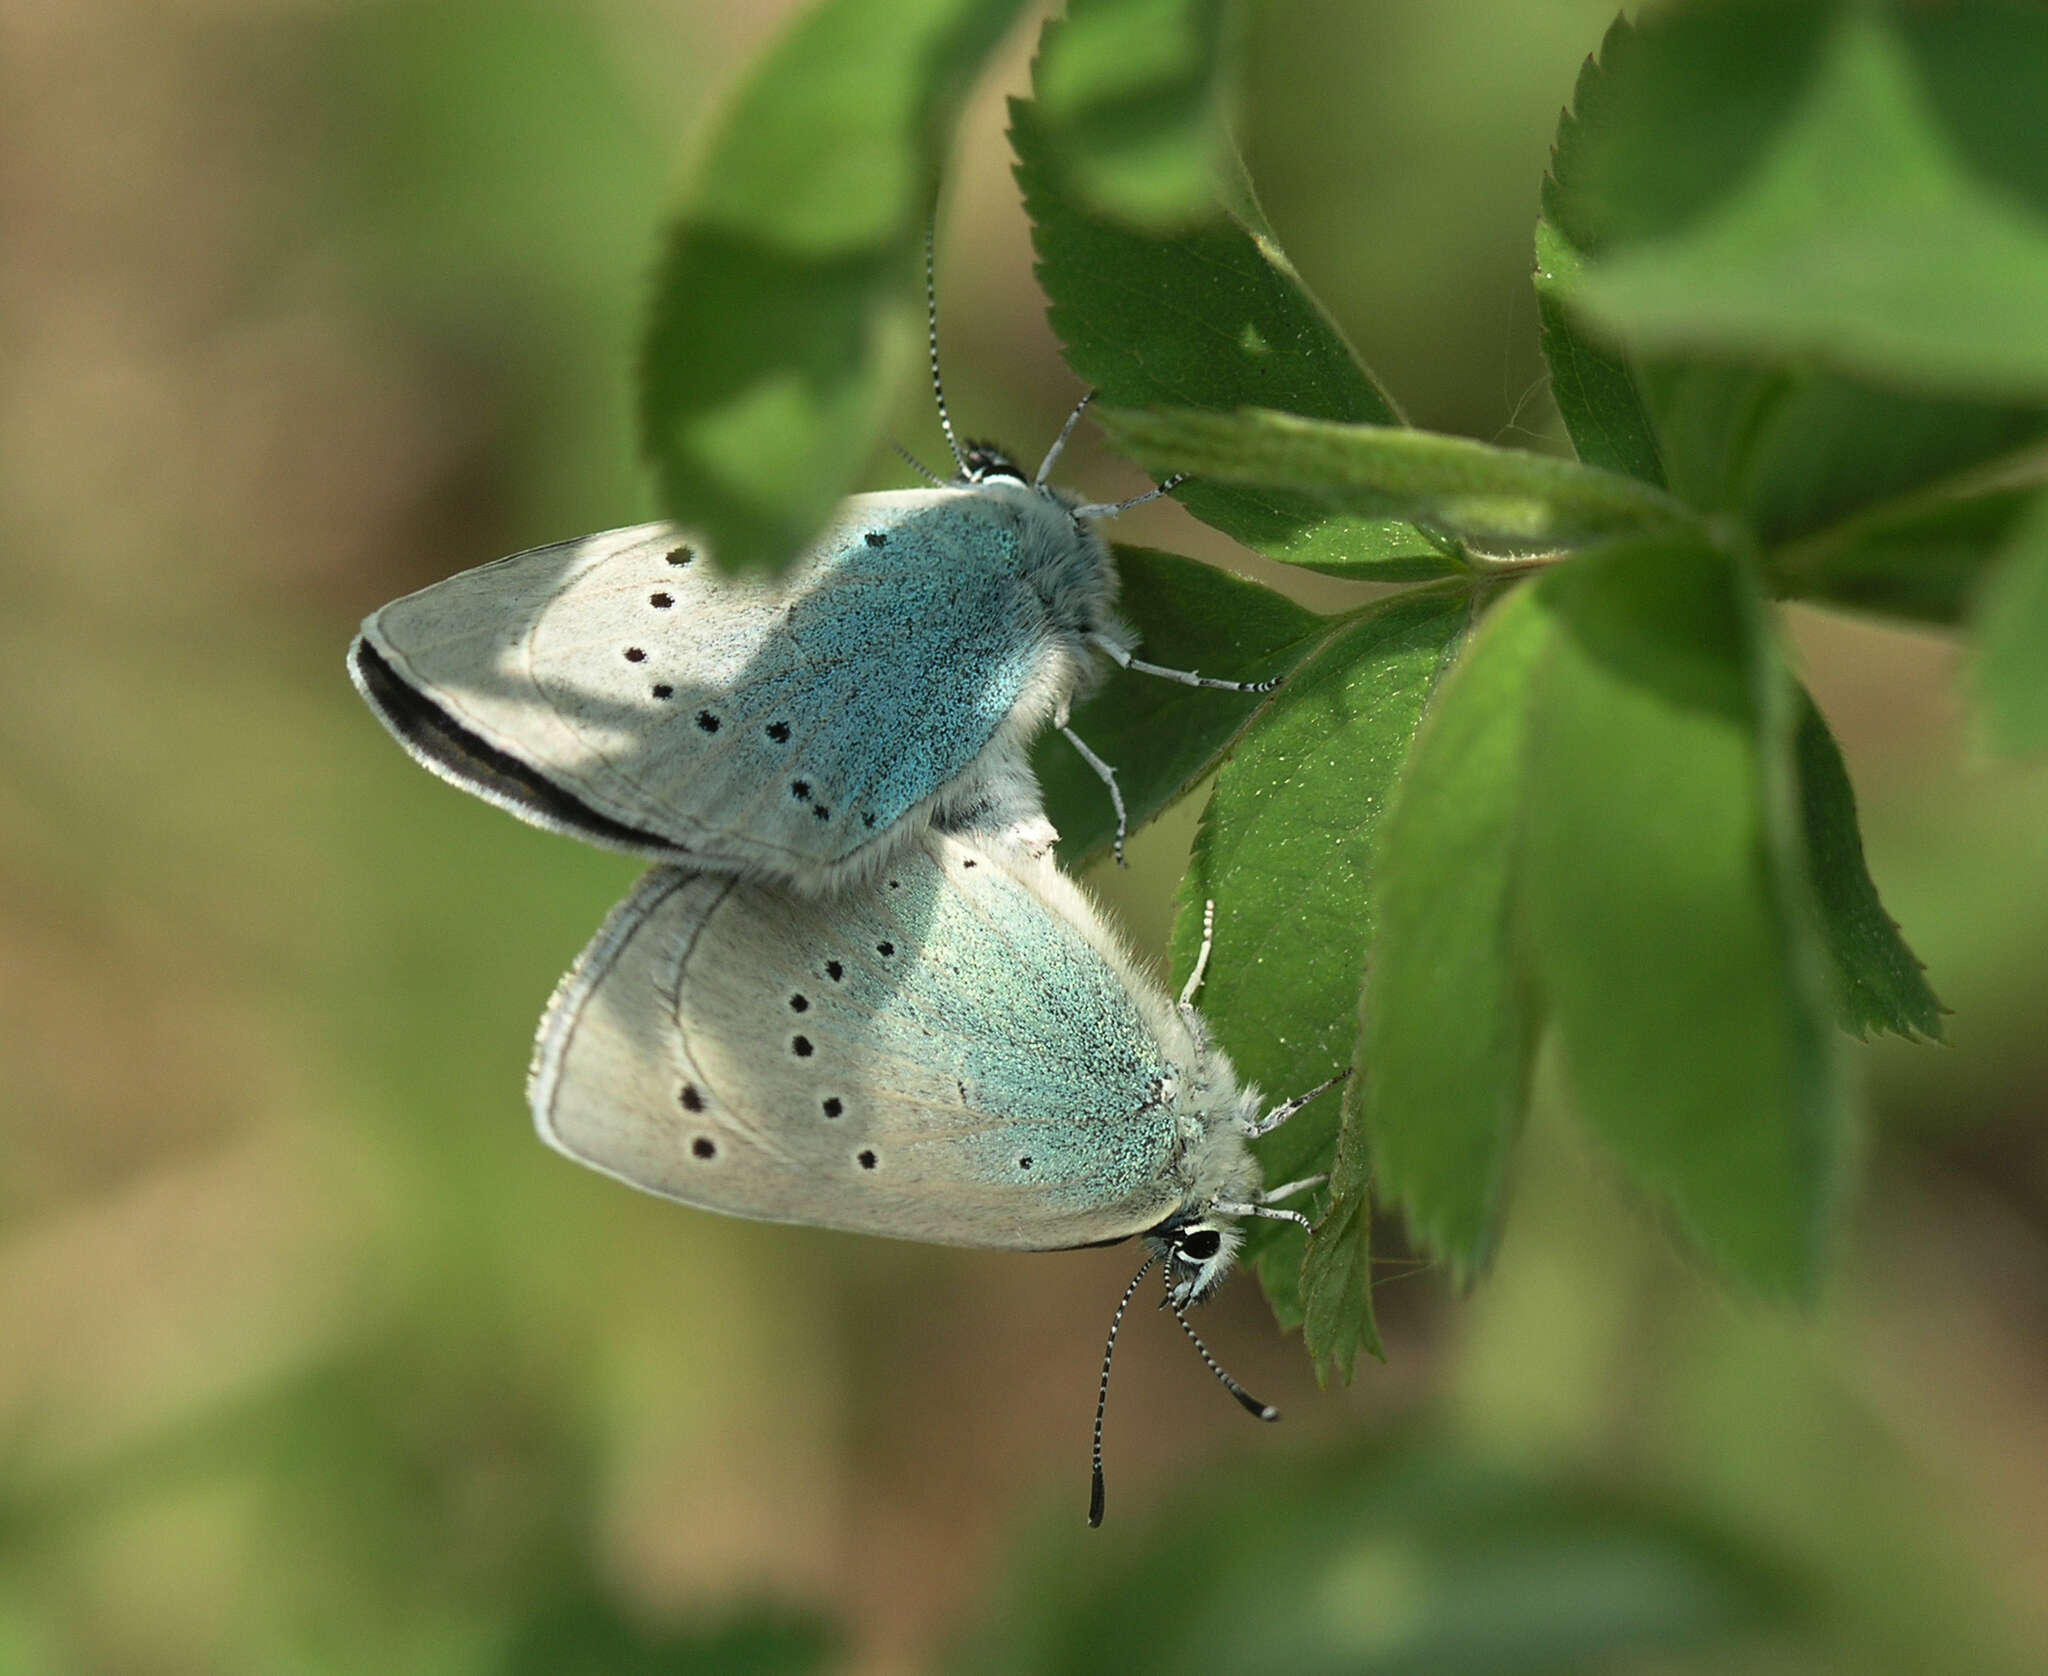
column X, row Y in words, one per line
column 984, row 462
column 1198, row 1249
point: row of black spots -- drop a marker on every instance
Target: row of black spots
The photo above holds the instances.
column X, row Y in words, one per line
column 680, row 556
column 692, row 1099
column 876, row 538
column 662, row 690
column 801, row 791
column 704, row 1147
column 638, row 654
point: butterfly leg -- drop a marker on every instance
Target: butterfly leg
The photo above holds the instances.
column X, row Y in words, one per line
column 1107, row 775
column 1281, row 1113
column 1186, row 677
column 1109, row 509
column 1287, row 1190
column 1187, row 994
column 1275, row 1213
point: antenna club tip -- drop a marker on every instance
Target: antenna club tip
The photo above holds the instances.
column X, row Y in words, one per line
column 1097, row 1497
column 1268, row 1412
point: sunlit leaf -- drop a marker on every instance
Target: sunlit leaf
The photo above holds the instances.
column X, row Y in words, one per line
column 1205, row 313
column 1591, row 384
column 1860, row 186
column 790, row 297
column 1449, row 1029
column 1662, row 904
column 1130, row 91
column 1803, row 185
column 1286, row 852
column 1878, row 979
column 1492, row 498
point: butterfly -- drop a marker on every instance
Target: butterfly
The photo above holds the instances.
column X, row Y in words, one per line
column 959, row 1050
column 805, row 727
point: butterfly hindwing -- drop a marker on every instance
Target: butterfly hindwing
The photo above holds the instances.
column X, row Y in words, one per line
column 955, row 1051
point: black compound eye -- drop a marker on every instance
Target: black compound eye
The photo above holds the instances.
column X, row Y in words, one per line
column 1202, row 1244
column 984, row 460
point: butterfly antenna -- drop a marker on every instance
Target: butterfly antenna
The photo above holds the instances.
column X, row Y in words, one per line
column 1249, row 1403
column 1096, row 1491
column 918, row 466
column 1059, row 443
column 931, row 325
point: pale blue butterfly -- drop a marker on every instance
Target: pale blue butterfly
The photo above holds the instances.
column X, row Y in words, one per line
column 959, row 1050
column 620, row 689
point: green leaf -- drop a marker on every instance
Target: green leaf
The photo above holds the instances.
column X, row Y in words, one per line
column 1491, row 498
column 1131, row 88
column 1922, row 557
column 1285, row 850
column 1864, row 188
column 1663, row 905
column 1880, row 983
column 1820, row 450
column 2011, row 627
column 1160, row 736
column 1592, row 386
column 789, row 300
column 1449, row 1028
column 1209, row 314
column 1400, row 1557
column 1334, row 1272
column 1677, row 121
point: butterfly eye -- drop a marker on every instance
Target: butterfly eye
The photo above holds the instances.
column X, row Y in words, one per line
column 1202, row 1244
column 983, row 460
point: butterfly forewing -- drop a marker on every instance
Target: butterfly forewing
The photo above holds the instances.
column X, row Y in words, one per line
column 645, row 700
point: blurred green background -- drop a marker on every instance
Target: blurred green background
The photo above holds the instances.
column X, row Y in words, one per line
column 312, row 1359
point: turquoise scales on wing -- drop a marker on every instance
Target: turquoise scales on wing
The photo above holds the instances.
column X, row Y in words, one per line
column 621, row 689
column 886, row 1060
column 1046, row 1041
column 928, row 640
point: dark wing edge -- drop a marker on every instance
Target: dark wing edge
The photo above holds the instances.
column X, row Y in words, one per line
column 450, row 751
